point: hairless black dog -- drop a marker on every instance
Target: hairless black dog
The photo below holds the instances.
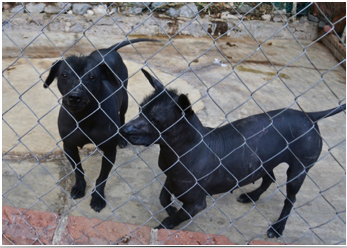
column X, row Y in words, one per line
column 94, row 104
column 199, row 160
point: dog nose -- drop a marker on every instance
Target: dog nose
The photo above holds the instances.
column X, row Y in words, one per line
column 128, row 129
column 75, row 97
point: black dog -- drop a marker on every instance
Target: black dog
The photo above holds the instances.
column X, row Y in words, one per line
column 199, row 160
column 93, row 108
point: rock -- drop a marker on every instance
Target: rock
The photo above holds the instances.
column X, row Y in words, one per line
column 75, row 29
column 139, row 5
column 245, row 9
column 100, row 9
column 89, row 13
column 67, row 26
column 80, row 8
column 17, row 8
column 302, row 19
column 133, row 11
column 313, row 18
column 227, row 15
column 172, row 12
column 70, row 12
column 17, row 21
column 35, row 8
column 137, row 11
column 188, row 11
column 321, row 24
column 55, row 26
column 50, row 9
column 37, row 19
column 127, row 11
column 62, row 5
column 156, row 4
column 266, row 17
column 277, row 19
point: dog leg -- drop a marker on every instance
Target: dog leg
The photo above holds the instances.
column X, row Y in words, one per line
column 98, row 203
column 165, row 198
column 187, row 211
column 122, row 142
column 255, row 194
column 123, row 109
column 294, row 182
column 72, row 155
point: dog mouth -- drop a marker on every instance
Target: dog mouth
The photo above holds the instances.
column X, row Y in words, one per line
column 139, row 140
column 74, row 106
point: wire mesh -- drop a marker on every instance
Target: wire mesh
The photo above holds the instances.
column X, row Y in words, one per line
column 43, row 181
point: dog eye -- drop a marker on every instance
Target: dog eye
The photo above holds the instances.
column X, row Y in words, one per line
column 154, row 121
column 64, row 76
column 92, row 78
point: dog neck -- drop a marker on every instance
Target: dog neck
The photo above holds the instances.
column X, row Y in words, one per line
column 181, row 143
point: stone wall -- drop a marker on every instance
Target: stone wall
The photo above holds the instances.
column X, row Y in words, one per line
column 130, row 22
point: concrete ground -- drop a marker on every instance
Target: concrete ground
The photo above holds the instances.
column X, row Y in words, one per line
column 36, row 175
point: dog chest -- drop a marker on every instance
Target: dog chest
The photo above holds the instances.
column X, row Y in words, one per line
column 95, row 132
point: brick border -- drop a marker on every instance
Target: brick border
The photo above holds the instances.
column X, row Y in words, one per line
column 26, row 226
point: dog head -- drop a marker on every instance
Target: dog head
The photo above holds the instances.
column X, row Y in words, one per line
column 163, row 115
column 79, row 80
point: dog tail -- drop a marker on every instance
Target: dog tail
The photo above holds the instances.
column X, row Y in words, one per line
column 316, row 116
column 128, row 42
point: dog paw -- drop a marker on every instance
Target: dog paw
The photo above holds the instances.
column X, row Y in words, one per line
column 244, row 199
column 97, row 203
column 159, row 227
column 122, row 143
column 77, row 191
column 275, row 231
column 168, row 223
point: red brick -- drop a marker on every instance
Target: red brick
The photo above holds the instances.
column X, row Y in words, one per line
column 36, row 227
column 30, row 228
column 172, row 237
column 84, row 231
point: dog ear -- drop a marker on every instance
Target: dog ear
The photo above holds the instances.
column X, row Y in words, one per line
column 110, row 75
column 184, row 103
column 113, row 68
column 154, row 82
column 53, row 73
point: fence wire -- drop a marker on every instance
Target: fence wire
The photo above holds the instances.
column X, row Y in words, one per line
column 22, row 180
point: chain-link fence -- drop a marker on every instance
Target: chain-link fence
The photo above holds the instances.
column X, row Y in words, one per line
column 227, row 61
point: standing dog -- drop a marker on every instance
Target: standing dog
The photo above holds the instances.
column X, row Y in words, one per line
column 199, row 160
column 94, row 104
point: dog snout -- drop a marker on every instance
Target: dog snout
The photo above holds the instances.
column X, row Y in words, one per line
column 135, row 127
column 75, row 101
column 139, row 132
column 75, row 97
column 128, row 129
